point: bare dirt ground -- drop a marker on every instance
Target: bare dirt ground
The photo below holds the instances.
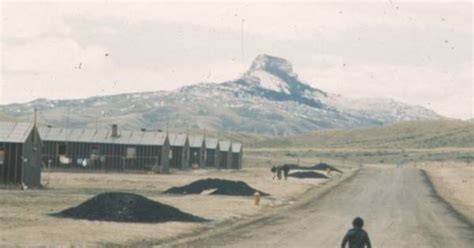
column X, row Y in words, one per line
column 24, row 219
column 455, row 183
column 397, row 203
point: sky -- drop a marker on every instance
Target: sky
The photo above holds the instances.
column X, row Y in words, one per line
column 418, row 53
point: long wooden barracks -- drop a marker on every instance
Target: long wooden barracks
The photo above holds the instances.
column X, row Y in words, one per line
column 105, row 149
column 119, row 150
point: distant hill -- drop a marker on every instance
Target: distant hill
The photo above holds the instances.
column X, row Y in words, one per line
column 409, row 134
column 269, row 98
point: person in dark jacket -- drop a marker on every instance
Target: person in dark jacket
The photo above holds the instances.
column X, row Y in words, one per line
column 357, row 237
column 286, row 170
column 274, row 169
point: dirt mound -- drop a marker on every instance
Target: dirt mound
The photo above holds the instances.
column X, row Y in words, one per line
column 307, row 174
column 126, row 207
column 320, row 166
column 324, row 166
column 293, row 166
column 221, row 186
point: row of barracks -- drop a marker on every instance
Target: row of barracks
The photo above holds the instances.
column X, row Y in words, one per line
column 25, row 149
column 135, row 150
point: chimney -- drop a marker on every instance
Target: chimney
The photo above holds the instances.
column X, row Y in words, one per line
column 115, row 131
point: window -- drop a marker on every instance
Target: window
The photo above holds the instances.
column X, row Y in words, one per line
column 131, row 152
column 2, row 155
column 171, row 154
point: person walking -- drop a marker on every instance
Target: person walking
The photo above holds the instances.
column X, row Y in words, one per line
column 357, row 237
column 286, row 170
column 273, row 172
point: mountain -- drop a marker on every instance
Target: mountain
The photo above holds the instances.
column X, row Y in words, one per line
column 269, row 98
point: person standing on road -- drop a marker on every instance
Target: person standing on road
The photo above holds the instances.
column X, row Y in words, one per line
column 357, row 237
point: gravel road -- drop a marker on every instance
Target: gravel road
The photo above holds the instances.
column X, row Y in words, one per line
column 397, row 204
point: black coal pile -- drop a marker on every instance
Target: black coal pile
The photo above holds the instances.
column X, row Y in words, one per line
column 320, row 166
column 293, row 166
column 324, row 166
column 126, row 207
column 307, row 174
column 221, row 186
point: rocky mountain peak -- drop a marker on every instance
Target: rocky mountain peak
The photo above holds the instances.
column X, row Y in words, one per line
column 275, row 74
column 271, row 64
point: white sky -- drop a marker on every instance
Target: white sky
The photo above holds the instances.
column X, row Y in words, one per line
column 418, row 53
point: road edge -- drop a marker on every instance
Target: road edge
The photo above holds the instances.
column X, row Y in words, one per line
column 435, row 193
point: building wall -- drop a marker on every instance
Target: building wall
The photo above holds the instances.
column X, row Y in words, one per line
column 10, row 169
column 176, row 157
column 237, row 159
column 32, row 163
column 185, row 156
column 22, row 162
column 212, row 158
column 196, row 156
column 202, row 155
column 105, row 156
column 225, row 158
column 229, row 160
column 180, row 157
column 164, row 157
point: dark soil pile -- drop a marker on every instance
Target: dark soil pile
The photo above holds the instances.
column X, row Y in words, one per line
column 320, row 166
column 324, row 166
column 307, row 174
column 126, row 207
column 221, row 186
column 293, row 166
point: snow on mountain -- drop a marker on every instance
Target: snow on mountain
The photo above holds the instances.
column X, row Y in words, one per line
column 385, row 110
column 269, row 98
column 268, row 81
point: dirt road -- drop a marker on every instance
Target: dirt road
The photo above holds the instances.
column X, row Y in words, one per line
column 397, row 204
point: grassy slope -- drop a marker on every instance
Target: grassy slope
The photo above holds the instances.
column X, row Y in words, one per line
column 412, row 134
column 413, row 141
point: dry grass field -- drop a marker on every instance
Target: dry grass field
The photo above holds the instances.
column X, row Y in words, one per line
column 455, row 183
column 24, row 218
